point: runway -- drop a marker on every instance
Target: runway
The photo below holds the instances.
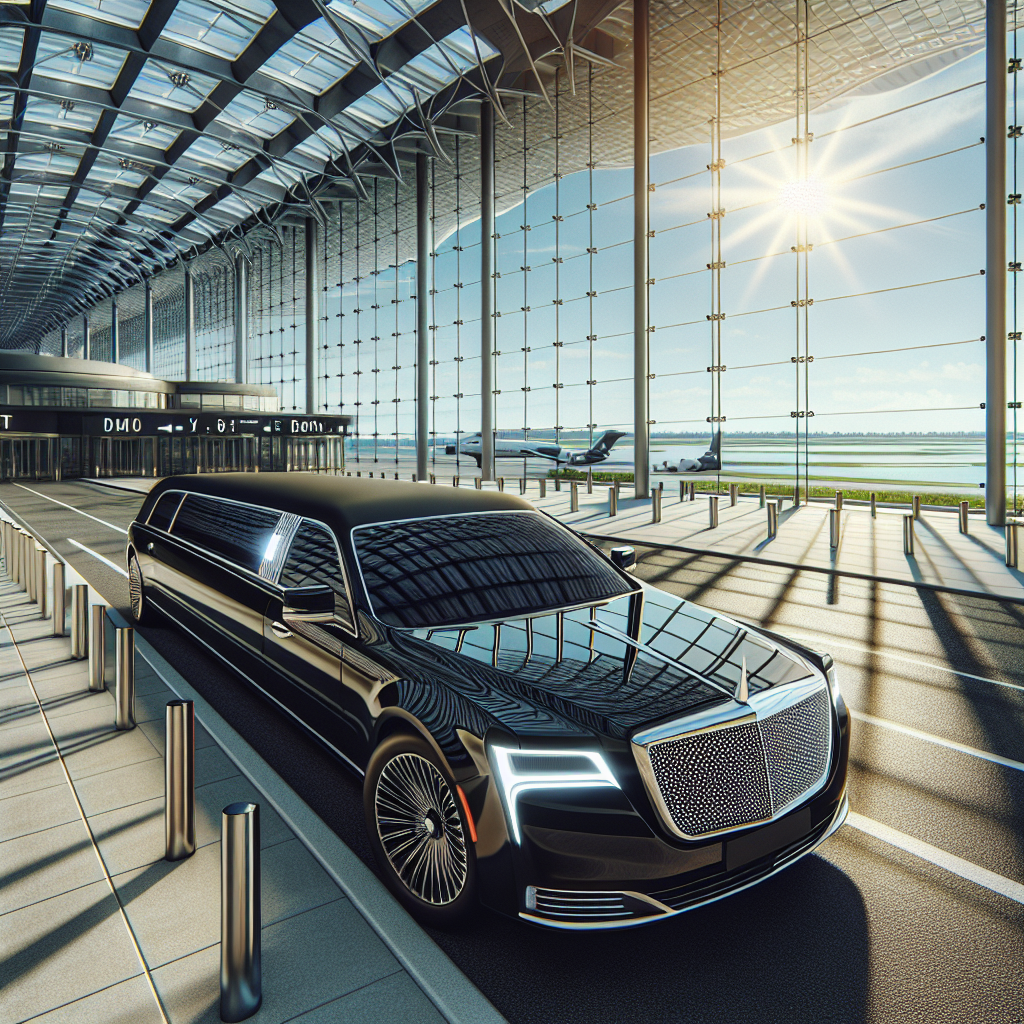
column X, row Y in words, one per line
column 914, row 912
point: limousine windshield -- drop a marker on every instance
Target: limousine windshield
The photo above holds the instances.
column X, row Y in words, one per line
column 452, row 570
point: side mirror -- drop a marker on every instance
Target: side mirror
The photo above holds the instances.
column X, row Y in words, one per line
column 308, row 604
column 624, row 557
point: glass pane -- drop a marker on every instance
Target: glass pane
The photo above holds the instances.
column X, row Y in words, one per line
column 239, row 533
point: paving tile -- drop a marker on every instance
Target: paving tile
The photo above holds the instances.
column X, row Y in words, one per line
column 396, row 999
column 106, row 749
column 42, row 773
column 24, row 746
column 129, row 1002
column 130, row 836
column 211, row 801
column 144, row 780
column 292, row 882
column 297, row 975
column 32, row 812
column 44, row 864
column 61, row 949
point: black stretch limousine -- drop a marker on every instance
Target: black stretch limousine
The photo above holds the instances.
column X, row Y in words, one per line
column 537, row 730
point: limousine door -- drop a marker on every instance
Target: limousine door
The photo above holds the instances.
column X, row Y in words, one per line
column 309, row 654
column 210, row 568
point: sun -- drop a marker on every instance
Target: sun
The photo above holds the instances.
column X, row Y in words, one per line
column 807, row 197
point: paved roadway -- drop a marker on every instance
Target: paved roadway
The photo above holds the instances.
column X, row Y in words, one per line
column 862, row 930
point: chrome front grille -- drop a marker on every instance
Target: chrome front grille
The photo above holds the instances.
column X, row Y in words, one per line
column 576, row 905
column 708, row 776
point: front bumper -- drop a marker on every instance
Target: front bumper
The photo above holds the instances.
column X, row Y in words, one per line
column 589, row 909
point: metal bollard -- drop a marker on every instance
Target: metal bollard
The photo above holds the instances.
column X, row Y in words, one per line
column 179, row 780
column 501, row 483
column 682, row 491
column 908, row 534
column 433, row 478
column 241, row 916
column 97, row 648
column 41, row 579
column 455, row 481
column 124, row 695
column 833, row 528
column 873, row 512
column 28, row 547
column 734, row 493
column 964, row 522
column 1012, row 550
column 543, row 487
column 839, row 501
column 522, row 485
column 558, row 482
column 761, row 496
column 613, row 502
column 478, row 483
column 59, row 611
column 590, row 482
column 413, row 477
column 917, row 506
column 79, row 621
column 574, row 497
column 712, row 511
column 773, row 519
column 693, row 492
column 656, row 506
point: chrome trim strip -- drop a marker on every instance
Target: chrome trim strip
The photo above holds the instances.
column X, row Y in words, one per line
column 834, row 826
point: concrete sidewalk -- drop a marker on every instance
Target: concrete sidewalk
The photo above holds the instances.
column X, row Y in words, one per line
column 96, row 926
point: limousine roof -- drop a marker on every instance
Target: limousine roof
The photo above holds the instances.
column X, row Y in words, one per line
column 342, row 502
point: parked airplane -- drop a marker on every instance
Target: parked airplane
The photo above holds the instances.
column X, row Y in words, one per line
column 505, row 449
column 709, row 462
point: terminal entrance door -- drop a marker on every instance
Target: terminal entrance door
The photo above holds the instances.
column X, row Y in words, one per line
column 28, row 458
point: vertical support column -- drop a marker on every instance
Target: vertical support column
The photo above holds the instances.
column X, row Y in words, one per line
column 423, row 247
column 148, row 337
column 85, row 336
column 64, row 340
column 115, row 341
column 190, row 326
column 312, row 316
column 242, row 318
column 641, row 219
column 995, row 261
column 486, row 291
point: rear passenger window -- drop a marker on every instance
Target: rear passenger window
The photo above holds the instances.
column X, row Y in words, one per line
column 237, row 532
column 163, row 511
column 313, row 559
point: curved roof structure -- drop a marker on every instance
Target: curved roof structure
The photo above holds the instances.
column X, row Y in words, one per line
column 134, row 133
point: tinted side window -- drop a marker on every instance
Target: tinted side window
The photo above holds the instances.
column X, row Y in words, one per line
column 237, row 532
column 313, row 559
column 163, row 512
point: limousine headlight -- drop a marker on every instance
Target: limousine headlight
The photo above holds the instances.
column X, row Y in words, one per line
column 522, row 770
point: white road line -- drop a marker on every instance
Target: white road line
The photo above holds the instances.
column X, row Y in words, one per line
column 947, row 861
column 814, row 641
column 938, row 740
column 95, row 519
column 97, row 555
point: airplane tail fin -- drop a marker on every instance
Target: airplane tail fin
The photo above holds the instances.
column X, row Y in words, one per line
column 604, row 443
column 712, row 458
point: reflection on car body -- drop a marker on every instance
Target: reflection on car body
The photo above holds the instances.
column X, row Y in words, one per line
column 537, row 730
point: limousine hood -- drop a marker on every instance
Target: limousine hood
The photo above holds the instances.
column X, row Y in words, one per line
column 604, row 671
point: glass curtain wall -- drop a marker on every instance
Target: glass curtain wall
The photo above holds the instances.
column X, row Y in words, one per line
column 214, row 283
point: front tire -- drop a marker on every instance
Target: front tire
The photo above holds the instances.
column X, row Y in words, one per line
column 418, row 831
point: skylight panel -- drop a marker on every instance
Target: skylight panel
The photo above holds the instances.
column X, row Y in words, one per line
column 210, row 152
column 123, row 13
column 171, row 87
column 11, row 40
column 128, row 128
column 150, row 212
column 255, row 115
column 67, row 60
column 48, row 162
column 203, row 26
column 65, row 113
column 313, row 60
column 378, row 18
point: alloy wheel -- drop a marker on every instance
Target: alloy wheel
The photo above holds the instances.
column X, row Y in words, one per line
column 420, row 829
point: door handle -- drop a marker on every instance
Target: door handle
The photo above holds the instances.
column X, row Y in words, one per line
column 280, row 630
